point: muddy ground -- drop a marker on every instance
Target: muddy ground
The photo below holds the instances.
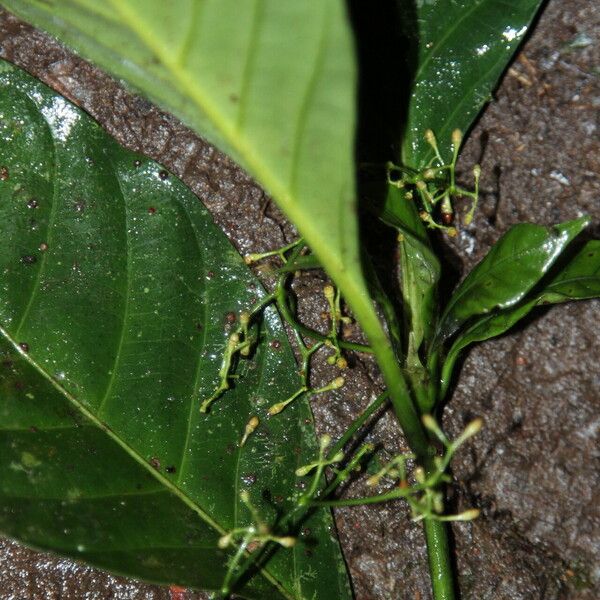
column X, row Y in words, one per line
column 534, row 469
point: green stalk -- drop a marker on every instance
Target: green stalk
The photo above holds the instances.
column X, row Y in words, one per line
column 398, row 390
column 436, row 533
column 440, row 560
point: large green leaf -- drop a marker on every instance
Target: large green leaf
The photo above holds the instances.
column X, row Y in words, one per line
column 579, row 279
column 115, row 291
column 270, row 82
column 463, row 48
column 513, row 266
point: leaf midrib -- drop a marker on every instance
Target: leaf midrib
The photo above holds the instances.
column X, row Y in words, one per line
column 551, row 286
column 333, row 262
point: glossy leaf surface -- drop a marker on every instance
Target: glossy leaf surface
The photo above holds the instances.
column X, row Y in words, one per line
column 115, row 292
column 513, row 266
column 579, row 279
column 463, row 48
column 270, row 82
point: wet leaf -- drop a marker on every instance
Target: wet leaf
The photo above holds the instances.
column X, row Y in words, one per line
column 485, row 328
column 513, row 266
column 463, row 48
column 579, row 279
column 116, row 292
column 272, row 84
column 284, row 111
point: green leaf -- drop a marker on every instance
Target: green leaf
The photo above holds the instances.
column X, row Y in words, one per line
column 514, row 265
column 484, row 328
column 284, row 111
column 115, row 291
column 463, row 48
column 270, row 82
column 419, row 267
column 578, row 280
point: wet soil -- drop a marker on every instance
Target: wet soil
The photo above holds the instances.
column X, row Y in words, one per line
column 534, row 468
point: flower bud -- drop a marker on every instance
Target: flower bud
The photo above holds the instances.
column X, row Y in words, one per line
column 468, row 515
column 337, row 383
column 329, row 292
column 341, row 363
column 473, row 428
column 456, row 138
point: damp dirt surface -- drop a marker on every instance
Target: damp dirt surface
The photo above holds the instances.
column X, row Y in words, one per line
column 534, row 469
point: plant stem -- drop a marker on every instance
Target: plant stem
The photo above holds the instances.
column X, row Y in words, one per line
column 358, row 423
column 440, row 561
column 396, row 383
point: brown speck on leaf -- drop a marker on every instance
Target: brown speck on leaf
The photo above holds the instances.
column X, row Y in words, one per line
column 230, row 318
column 171, row 469
column 24, row 346
column 137, row 162
column 154, row 462
column 151, row 210
column 4, row 176
column 32, row 203
column 163, row 174
column 275, row 344
column 28, row 259
column 43, row 247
